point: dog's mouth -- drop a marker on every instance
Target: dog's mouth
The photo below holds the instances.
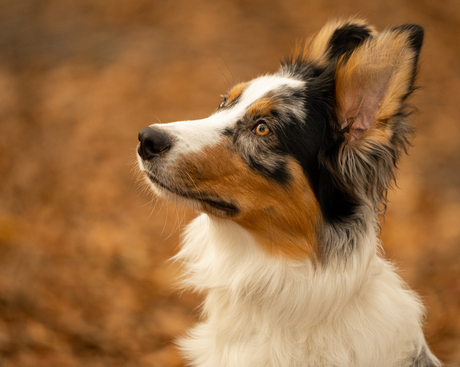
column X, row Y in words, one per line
column 210, row 204
column 224, row 206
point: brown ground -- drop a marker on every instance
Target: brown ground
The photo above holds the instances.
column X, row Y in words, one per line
column 83, row 277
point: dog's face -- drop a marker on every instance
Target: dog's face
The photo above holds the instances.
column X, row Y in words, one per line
column 273, row 157
column 240, row 163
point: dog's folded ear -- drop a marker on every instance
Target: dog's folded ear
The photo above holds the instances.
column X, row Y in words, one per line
column 372, row 84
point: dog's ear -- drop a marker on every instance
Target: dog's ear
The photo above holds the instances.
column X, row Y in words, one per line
column 372, row 84
column 335, row 39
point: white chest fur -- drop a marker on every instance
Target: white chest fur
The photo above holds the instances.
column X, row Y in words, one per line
column 266, row 311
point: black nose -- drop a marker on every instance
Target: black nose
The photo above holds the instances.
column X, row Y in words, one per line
column 153, row 143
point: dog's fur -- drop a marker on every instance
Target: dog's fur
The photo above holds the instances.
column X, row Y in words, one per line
column 291, row 173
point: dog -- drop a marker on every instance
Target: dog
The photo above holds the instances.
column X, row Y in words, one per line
column 291, row 173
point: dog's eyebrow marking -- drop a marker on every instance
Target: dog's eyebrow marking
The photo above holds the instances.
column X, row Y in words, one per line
column 262, row 107
column 235, row 93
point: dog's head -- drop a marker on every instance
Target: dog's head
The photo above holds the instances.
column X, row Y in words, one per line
column 287, row 153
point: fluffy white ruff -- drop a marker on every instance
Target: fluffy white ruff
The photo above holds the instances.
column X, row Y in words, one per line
column 262, row 311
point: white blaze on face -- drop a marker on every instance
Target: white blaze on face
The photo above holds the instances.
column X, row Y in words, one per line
column 193, row 136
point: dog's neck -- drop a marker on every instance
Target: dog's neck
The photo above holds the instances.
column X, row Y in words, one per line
column 255, row 301
column 219, row 255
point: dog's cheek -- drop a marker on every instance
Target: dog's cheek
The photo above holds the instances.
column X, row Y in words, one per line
column 284, row 218
column 215, row 170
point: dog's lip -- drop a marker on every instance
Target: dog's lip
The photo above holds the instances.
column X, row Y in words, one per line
column 218, row 204
column 227, row 207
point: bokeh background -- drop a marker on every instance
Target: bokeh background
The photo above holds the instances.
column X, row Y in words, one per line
column 84, row 277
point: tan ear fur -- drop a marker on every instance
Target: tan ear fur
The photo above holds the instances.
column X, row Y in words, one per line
column 372, row 84
column 316, row 47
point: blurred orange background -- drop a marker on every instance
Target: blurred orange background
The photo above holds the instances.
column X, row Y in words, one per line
column 84, row 277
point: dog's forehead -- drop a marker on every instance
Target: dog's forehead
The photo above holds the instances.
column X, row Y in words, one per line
column 244, row 95
column 192, row 136
column 251, row 92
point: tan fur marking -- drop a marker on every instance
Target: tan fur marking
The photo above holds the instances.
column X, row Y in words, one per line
column 315, row 47
column 282, row 219
column 262, row 107
column 371, row 83
column 235, row 92
column 286, row 221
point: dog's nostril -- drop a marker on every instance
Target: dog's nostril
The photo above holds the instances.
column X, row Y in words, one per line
column 153, row 142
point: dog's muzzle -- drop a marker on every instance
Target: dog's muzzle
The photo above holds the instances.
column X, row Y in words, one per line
column 153, row 143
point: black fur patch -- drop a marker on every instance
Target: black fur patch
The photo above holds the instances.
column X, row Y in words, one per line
column 346, row 38
column 416, row 35
column 228, row 132
column 310, row 140
column 279, row 173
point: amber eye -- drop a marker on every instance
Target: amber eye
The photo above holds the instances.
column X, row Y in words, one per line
column 261, row 129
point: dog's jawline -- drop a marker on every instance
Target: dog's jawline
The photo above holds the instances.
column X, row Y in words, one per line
column 221, row 205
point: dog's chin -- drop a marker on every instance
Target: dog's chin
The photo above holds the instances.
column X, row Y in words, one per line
column 197, row 201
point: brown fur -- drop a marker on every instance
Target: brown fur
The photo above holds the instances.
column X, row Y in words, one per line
column 235, row 92
column 261, row 107
column 371, row 84
column 284, row 230
column 315, row 48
